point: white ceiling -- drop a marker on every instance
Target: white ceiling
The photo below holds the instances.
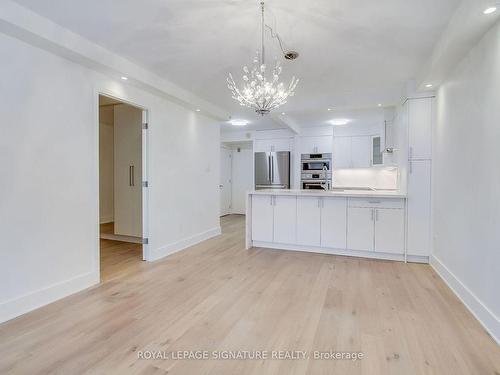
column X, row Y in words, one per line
column 353, row 53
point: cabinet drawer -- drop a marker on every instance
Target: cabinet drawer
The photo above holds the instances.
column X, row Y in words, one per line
column 377, row 202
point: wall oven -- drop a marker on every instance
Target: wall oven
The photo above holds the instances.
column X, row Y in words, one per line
column 316, row 171
column 316, row 162
column 313, row 185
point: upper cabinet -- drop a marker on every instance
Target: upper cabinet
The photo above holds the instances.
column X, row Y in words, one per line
column 273, row 145
column 342, row 152
column 377, row 155
column 316, row 144
column 352, row 152
column 361, row 151
column 420, row 115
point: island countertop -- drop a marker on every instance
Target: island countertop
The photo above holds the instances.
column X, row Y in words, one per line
column 353, row 193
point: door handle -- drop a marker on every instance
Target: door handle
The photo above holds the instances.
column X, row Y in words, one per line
column 376, row 215
column 131, row 175
column 411, row 166
column 372, row 213
column 411, row 152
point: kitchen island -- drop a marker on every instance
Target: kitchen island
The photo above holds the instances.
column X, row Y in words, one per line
column 362, row 223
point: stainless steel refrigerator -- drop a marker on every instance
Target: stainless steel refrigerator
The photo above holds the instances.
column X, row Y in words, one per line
column 272, row 170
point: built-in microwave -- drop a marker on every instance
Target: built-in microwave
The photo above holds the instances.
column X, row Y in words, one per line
column 316, row 162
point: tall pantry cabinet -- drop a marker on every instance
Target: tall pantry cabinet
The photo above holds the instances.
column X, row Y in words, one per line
column 418, row 119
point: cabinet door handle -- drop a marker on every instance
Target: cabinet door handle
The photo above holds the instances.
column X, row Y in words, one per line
column 411, row 152
column 374, row 202
column 411, row 166
column 372, row 213
column 131, row 175
column 376, row 215
column 319, row 202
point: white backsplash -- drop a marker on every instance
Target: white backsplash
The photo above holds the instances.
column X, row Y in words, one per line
column 377, row 178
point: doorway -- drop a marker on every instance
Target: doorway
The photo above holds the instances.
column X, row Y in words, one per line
column 236, row 176
column 121, row 188
column 225, row 180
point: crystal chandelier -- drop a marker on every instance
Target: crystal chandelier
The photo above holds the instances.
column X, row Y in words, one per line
column 257, row 91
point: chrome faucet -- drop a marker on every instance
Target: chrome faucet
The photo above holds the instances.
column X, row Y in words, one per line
column 326, row 185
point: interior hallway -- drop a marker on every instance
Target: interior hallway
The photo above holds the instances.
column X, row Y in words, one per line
column 218, row 296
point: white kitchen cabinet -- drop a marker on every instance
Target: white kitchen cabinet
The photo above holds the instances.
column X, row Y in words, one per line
column 419, row 207
column 273, row 145
column 322, row 223
column 341, row 152
column 334, row 222
column 316, row 144
column 263, row 218
column 352, row 152
column 420, row 114
column 309, row 221
column 285, row 217
column 389, row 231
column 361, row 148
column 360, row 228
column 377, row 157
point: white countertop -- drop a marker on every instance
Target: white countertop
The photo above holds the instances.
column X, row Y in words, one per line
column 333, row 193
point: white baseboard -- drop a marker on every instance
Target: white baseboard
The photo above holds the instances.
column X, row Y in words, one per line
column 31, row 301
column 183, row 244
column 488, row 320
column 343, row 252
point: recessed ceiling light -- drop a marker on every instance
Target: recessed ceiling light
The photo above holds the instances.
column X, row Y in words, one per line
column 197, row 110
column 329, row 109
column 490, row 10
column 283, row 113
column 380, row 105
column 340, row 121
column 124, row 78
column 428, row 86
column 238, row 122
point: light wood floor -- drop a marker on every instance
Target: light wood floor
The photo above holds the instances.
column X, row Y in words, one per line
column 119, row 259
column 217, row 296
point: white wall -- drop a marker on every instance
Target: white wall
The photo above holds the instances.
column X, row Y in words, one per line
column 49, row 166
column 466, row 181
column 106, row 166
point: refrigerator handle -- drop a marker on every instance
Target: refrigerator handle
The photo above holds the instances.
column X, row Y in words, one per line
column 269, row 168
column 272, row 168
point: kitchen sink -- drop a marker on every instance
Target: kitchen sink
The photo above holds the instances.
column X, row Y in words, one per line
column 352, row 188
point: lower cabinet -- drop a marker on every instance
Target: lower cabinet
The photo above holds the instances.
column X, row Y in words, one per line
column 389, row 231
column 376, row 229
column 330, row 222
column 309, row 221
column 262, row 218
column 285, row 214
column 360, row 228
column 334, row 222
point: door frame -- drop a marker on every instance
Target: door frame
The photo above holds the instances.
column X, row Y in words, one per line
column 146, row 114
